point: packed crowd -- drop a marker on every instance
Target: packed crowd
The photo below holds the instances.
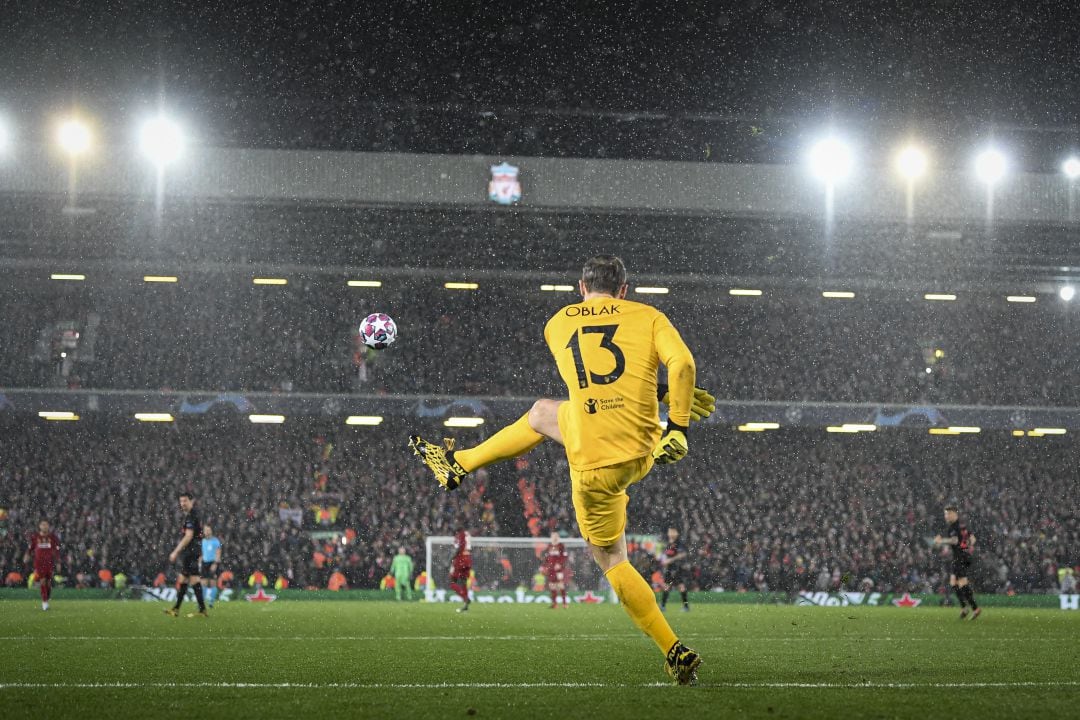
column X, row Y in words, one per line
column 298, row 504
column 226, row 335
column 788, row 511
column 793, row 511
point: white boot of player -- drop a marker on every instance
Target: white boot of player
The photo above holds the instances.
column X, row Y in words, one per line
column 44, row 605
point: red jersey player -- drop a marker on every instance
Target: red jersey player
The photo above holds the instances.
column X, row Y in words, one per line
column 461, row 567
column 555, row 560
column 45, row 547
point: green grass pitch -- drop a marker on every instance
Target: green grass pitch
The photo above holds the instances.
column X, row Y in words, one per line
column 380, row 659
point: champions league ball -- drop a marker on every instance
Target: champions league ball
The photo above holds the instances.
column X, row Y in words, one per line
column 378, row 331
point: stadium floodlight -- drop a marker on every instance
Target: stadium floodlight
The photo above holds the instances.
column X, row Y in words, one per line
column 57, row 415
column 1067, row 292
column 160, row 278
column 838, row 294
column 747, row 292
column 1020, row 298
column 154, row 417
column 161, row 140
column 990, row 166
column 364, row 420
column 761, row 425
column 464, row 422
column 911, row 162
column 67, row 276
column 269, row 281
column 1071, row 167
column 831, row 160
column 365, row 283
column 645, row 290
column 557, row 288
column 267, row 419
column 73, row 136
column 461, row 286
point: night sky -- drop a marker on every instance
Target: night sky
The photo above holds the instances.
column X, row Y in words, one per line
column 262, row 74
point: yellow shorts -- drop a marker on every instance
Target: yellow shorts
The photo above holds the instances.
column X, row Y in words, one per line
column 600, row 498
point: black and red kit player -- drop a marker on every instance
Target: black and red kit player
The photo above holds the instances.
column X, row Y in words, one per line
column 461, row 566
column 555, row 562
column 45, row 550
column 189, row 551
column 962, row 541
column 673, row 560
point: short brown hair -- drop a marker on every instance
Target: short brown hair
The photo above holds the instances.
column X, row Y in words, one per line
column 604, row 274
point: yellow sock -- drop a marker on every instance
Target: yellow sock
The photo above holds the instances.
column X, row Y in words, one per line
column 510, row 442
column 638, row 600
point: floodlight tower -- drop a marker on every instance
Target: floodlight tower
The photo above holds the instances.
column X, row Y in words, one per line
column 911, row 163
column 831, row 161
column 1071, row 170
column 74, row 138
column 990, row 168
column 161, row 141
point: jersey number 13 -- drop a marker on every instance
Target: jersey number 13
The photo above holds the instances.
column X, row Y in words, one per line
column 584, row 377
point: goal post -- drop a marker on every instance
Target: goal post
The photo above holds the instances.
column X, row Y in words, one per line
column 506, row 569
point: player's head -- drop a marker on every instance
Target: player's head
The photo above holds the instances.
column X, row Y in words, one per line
column 672, row 534
column 43, row 526
column 951, row 513
column 555, row 538
column 401, row 551
column 207, row 531
column 187, row 501
column 604, row 274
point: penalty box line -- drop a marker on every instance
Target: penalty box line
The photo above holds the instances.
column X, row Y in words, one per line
column 528, row 685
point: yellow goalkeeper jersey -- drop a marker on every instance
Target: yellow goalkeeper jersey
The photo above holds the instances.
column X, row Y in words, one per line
column 608, row 352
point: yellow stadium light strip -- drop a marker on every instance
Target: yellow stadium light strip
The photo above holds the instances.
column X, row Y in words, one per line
column 762, row 425
column 57, row 415
column 651, row 290
column 267, row 419
column 939, row 296
column 463, row 422
column 747, row 428
column 153, row 417
column 1021, row 298
column 365, row 283
column 557, row 288
column 1018, row 433
column 1032, row 433
column 66, row 276
column 839, row 429
column 744, row 291
column 159, row 278
column 363, row 420
column 844, row 294
column 269, row 281
column 1050, row 431
column 860, row 427
column 963, row 429
column 942, row 431
column 461, row 286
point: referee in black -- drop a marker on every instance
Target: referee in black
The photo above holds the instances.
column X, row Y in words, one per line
column 188, row 550
column 674, row 563
column 962, row 542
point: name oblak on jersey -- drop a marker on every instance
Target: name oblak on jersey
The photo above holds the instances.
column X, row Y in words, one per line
column 578, row 310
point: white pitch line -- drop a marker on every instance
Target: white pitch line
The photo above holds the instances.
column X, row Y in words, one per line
column 527, row 685
column 500, row 638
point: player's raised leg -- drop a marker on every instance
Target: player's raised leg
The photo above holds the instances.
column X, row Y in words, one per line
column 451, row 466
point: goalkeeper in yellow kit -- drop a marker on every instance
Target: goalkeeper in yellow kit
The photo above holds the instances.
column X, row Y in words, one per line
column 608, row 350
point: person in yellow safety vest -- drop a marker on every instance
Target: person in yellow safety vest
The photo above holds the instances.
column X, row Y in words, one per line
column 281, row 583
column 539, row 582
column 256, row 579
column 422, row 582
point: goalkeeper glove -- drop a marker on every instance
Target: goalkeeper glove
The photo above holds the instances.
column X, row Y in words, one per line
column 672, row 446
column 701, row 406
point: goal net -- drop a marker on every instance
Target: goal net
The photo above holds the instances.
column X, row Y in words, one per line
column 509, row 569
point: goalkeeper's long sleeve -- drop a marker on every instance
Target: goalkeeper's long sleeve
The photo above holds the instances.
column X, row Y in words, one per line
column 682, row 373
